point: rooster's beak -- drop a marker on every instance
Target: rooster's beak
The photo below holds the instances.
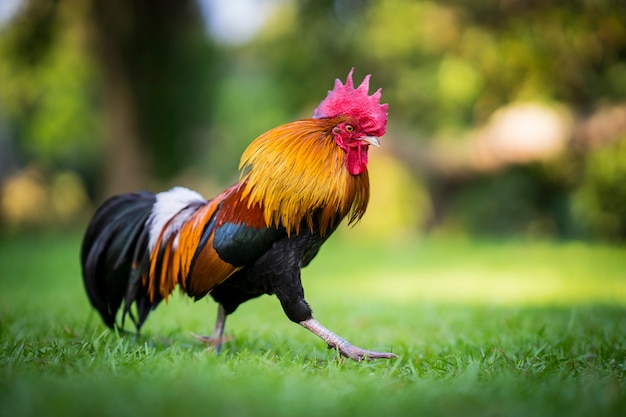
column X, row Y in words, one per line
column 372, row 140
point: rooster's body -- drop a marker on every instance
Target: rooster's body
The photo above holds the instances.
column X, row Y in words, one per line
column 299, row 181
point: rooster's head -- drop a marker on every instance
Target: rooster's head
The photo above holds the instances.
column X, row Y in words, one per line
column 363, row 119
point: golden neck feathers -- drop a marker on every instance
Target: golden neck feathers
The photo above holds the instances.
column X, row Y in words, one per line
column 297, row 175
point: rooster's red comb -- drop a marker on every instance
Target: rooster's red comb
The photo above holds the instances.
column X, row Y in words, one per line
column 355, row 102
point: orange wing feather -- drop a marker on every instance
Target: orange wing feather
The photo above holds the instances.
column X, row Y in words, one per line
column 171, row 261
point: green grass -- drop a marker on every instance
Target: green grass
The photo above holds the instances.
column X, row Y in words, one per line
column 482, row 329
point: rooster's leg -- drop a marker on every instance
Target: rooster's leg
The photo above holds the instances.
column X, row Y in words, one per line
column 342, row 345
column 217, row 338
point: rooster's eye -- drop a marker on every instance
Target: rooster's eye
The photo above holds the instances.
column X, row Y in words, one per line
column 349, row 128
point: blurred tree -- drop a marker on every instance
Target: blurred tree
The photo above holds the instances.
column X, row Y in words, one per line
column 157, row 66
column 146, row 67
column 47, row 87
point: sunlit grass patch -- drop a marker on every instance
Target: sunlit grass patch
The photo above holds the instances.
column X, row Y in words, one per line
column 513, row 273
column 513, row 328
column 513, row 288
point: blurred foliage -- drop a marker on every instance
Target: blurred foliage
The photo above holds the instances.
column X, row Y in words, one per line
column 47, row 91
column 445, row 67
column 600, row 201
column 522, row 200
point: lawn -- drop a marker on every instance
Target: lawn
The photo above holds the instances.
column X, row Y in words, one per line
column 481, row 329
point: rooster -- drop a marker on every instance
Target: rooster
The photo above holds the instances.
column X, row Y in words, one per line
column 298, row 181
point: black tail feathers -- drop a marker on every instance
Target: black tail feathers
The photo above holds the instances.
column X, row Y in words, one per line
column 113, row 255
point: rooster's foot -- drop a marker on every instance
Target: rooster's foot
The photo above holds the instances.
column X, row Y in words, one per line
column 343, row 346
column 212, row 341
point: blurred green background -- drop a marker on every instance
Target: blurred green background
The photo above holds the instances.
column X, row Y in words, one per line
column 506, row 148
column 506, row 118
